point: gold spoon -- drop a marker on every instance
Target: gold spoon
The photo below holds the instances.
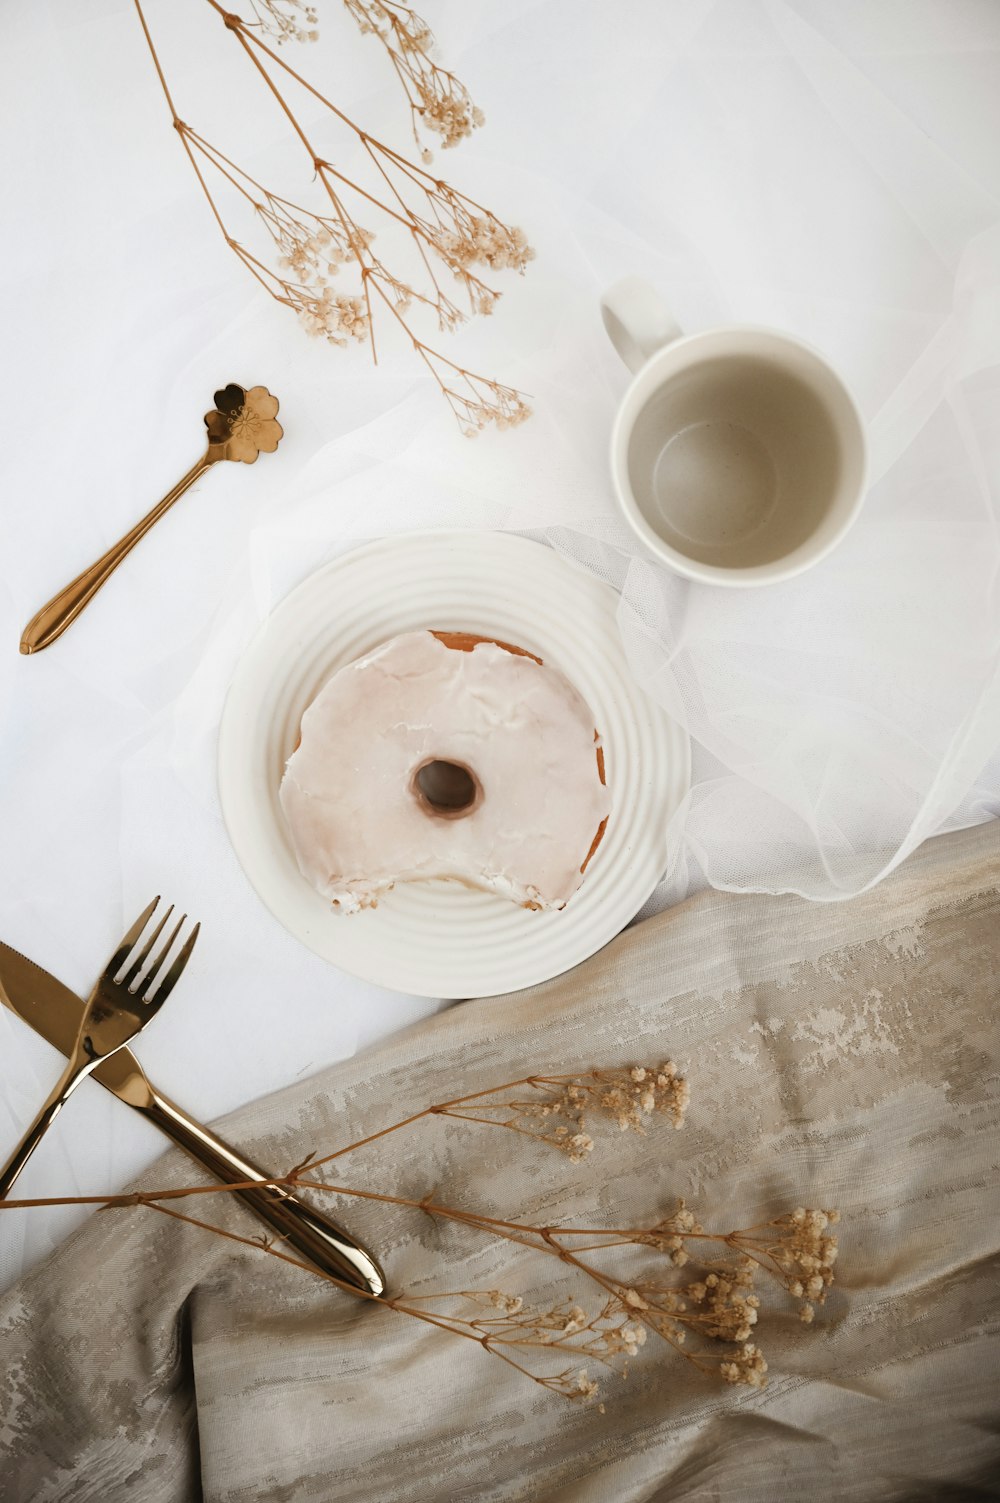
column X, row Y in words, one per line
column 241, row 426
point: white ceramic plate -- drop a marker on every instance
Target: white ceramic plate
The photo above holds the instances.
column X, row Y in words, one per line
column 438, row 939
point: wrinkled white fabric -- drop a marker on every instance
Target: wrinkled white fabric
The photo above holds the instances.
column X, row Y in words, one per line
column 831, row 169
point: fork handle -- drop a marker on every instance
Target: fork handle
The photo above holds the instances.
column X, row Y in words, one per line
column 306, row 1232
column 58, row 1097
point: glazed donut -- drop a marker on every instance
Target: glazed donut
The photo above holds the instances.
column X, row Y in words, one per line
column 446, row 755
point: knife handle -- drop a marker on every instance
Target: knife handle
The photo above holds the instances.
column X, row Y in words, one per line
column 74, row 1072
column 305, row 1231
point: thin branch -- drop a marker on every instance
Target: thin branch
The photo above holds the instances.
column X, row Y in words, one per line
column 797, row 1250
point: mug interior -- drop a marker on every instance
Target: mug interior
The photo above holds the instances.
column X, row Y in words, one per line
column 739, row 459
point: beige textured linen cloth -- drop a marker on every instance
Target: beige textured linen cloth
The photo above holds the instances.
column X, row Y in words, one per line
column 842, row 1055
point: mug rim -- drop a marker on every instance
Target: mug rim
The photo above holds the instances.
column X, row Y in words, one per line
column 729, row 575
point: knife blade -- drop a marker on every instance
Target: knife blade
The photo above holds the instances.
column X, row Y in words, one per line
column 53, row 1011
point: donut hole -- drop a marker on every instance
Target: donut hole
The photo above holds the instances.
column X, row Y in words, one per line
column 447, row 789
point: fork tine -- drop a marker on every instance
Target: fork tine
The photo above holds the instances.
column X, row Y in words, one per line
column 140, row 961
column 145, row 985
column 167, row 984
column 120, row 956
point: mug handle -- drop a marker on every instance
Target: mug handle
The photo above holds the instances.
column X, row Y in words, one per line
column 637, row 320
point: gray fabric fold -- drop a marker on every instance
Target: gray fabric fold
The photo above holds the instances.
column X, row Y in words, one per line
column 837, row 1055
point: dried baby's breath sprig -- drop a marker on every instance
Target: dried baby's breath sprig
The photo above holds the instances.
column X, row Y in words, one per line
column 557, row 1110
column 746, row 1365
column 720, row 1306
column 799, row 1250
column 286, row 20
column 438, row 100
column 715, row 1301
column 529, row 1339
column 463, row 239
column 476, row 401
column 670, row 1235
column 308, row 253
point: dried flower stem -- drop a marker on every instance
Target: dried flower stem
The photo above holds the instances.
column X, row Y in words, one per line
column 438, row 100
column 443, row 225
column 286, row 20
column 797, row 1250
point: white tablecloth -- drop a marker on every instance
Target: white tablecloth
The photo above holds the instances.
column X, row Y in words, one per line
column 830, row 168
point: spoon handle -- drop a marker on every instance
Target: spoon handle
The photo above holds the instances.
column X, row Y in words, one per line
column 52, row 620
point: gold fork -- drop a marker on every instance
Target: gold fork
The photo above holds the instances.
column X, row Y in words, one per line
column 118, row 1008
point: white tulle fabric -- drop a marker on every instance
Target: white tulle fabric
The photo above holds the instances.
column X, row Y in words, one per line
column 829, row 167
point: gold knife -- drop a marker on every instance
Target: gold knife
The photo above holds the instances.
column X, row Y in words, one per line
column 54, row 1012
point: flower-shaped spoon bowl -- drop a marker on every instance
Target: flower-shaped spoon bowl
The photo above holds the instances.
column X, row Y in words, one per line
column 242, row 425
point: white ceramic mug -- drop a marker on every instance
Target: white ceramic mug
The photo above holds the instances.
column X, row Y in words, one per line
column 738, row 455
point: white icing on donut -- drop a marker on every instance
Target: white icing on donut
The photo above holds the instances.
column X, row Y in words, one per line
column 357, row 824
